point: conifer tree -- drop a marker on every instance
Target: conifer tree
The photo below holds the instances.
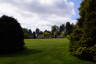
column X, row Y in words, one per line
column 83, row 40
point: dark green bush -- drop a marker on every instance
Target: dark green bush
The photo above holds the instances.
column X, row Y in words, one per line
column 11, row 35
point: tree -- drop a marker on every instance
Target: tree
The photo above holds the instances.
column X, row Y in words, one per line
column 37, row 32
column 34, row 35
column 68, row 28
column 83, row 40
column 11, row 35
column 62, row 28
column 47, row 34
column 55, row 30
column 27, row 33
column 30, row 32
column 72, row 28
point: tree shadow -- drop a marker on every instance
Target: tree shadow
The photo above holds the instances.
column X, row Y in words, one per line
column 25, row 52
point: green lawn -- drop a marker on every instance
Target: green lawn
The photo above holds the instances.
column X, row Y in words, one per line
column 43, row 51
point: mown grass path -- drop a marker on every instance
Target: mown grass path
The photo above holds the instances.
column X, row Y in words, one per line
column 43, row 51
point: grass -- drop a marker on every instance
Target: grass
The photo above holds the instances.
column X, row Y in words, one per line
column 43, row 51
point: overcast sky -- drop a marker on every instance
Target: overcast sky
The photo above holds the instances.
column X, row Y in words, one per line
column 41, row 14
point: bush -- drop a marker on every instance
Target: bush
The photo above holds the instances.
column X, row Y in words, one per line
column 11, row 35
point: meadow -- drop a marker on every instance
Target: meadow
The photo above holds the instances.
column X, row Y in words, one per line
column 43, row 51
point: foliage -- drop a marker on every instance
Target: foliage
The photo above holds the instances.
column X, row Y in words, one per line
column 56, row 32
column 11, row 35
column 62, row 28
column 83, row 39
column 69, row 28
column 37, row 32
column 27, row 33
column 47, row 34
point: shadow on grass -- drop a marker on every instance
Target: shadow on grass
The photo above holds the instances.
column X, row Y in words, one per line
column 25, row 52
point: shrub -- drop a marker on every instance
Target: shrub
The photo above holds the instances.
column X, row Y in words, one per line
column 11, row 35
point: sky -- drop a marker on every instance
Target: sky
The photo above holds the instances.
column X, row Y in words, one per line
column 41, row 14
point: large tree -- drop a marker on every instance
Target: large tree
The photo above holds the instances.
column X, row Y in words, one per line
column 83, row 40
column 11, row 35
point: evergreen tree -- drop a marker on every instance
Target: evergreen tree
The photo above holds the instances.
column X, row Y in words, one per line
column 68, row 28
column 83, row 40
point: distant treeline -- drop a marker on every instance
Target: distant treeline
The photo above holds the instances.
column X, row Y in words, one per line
column 56, row 32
